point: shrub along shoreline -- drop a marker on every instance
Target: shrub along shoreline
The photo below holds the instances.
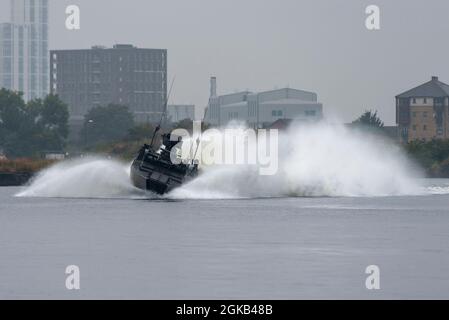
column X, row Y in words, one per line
column 20, row 171
column 432, row 156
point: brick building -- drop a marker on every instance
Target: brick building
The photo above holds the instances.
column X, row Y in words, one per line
column 422, row 113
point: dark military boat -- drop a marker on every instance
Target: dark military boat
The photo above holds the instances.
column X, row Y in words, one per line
column 154, row 171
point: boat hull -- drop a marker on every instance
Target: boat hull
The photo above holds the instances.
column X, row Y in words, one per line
column 155, row 178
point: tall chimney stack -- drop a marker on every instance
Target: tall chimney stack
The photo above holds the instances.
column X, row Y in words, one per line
column 213, row 86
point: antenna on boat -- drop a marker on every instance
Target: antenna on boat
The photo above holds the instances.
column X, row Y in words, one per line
column 156, row 130
column 198, row 141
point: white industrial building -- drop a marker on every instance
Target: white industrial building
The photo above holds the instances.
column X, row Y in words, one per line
column 263, row 108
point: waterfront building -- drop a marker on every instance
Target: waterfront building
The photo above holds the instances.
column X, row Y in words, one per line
column 422, row 113
column 263, row 108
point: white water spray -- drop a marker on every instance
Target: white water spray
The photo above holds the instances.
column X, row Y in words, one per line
column 83, row 178
column 318, row 160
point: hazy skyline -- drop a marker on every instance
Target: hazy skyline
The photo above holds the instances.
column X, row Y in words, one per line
column 319, row 45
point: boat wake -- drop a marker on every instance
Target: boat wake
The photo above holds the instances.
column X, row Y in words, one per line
column 315, row 161
column 319, row 161
column 436, row 186
column 83, row 178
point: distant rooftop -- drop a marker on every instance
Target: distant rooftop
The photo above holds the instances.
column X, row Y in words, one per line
column 434, row 88
column 99, row 47
column 123, row 46
column 287, row 101
column 114, row 47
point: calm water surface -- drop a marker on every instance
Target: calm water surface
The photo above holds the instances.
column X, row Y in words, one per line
column 288, row 248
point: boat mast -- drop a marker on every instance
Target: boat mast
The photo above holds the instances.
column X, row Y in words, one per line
column 164, row 113
column 198, row 141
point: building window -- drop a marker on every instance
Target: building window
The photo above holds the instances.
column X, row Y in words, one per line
column 424, row 127
column 277, row 113
column 424, row 114
column 414, row 114
column 425, row 100
column 414, row 100
column 414, row 128
column 311, row 113
column 233, row 115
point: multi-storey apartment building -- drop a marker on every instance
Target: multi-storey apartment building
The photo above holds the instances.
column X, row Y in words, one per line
column 123, row 75
column 422, row 112
column 24, row 54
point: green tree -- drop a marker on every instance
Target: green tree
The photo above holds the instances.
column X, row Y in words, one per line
column 186, row 124
column 54, row 116
column 106, row 124
column 12, row 112
column 429, row 154
column 50, row 117
column 369, row 119
column 27, row 130
column 140, row 132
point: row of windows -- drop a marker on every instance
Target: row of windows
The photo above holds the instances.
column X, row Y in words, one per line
column 40, row 10
column 415, row 114
column 406, row 101
column 437, row 101
column 425, row 128
column 81, row 105
column 82, row 68
column 233, row 115
column 149, row 64
column 90, row 56
column 39, row 48
column 7, row 48
column 7, row 31
column 424, row 101
column 109, row 85
column 34, row 49
column 280, row 113
column 7, row 81
column 133, row 96
column 415, row 127
column 311, row 113
column 39, row 32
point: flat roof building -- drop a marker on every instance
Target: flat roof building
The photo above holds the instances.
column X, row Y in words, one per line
column 124, row 74
column 263, row 108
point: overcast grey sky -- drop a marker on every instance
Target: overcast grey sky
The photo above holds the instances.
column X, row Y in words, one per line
column 318, row 45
